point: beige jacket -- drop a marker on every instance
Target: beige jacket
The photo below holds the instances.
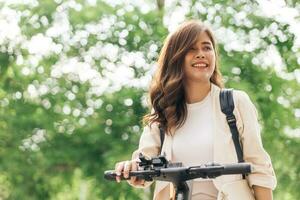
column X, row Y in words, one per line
column 224, row 150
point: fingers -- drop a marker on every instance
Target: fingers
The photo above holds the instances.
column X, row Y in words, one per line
column 134, row 167
column 118, row 169
column 127, row 169
column 134, row 180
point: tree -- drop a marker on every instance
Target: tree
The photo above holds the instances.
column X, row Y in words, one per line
column 74, row 77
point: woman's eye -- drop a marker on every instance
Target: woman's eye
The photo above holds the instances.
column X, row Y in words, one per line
column 207, row 48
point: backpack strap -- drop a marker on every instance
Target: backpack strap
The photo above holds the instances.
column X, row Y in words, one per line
column 227, row 106
column 162, row 137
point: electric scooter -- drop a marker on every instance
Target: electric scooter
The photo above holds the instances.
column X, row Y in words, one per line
column 158, row 168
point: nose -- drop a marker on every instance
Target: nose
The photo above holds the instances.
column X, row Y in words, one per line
column 200, row 55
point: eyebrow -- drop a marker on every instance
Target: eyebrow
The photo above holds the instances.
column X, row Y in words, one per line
column 206, row 43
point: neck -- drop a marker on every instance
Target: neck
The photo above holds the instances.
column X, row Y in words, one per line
column 196, row 92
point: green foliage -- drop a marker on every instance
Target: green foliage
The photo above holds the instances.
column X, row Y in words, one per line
column 60, row 127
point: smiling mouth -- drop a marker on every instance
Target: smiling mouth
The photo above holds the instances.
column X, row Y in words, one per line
column 200, row 66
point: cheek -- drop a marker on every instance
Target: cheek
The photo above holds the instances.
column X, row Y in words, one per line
column 212, row 59
column 188, row 57
column 212, row 55
column 187, row 60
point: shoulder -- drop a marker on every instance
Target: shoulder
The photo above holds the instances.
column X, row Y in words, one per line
column 241, row 97
column 238, row 95
column 151, row 130
column 243, row 102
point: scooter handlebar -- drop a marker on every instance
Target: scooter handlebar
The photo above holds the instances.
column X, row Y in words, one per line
column 193, row 172
column 239, row 168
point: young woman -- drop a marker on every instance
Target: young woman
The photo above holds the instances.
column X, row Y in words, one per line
column 185, row 101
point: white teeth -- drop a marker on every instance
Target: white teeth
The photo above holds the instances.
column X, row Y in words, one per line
column 200, row 65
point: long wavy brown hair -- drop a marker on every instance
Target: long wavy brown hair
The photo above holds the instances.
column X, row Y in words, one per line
column 167, row 94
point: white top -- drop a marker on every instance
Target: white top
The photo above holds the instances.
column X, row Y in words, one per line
column 196, row 135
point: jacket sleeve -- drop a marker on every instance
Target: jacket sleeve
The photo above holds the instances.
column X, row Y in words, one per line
column 149, row 145
column 254, row 152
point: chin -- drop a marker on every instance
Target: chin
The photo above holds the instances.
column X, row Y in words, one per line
column 201, row 79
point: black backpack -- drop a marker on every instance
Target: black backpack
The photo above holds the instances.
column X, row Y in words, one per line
column 227, row 107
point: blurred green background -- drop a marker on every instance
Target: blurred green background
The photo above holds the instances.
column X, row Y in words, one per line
column 74, row 77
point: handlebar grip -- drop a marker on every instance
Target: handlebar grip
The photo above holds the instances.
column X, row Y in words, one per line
column 111, row 176
column 239, row 168
column 145, row 174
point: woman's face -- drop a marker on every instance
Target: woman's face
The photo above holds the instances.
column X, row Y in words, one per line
column 199, row 62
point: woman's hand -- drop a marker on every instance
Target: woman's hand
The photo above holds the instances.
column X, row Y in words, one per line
column 125, row 167
column 262, row 193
